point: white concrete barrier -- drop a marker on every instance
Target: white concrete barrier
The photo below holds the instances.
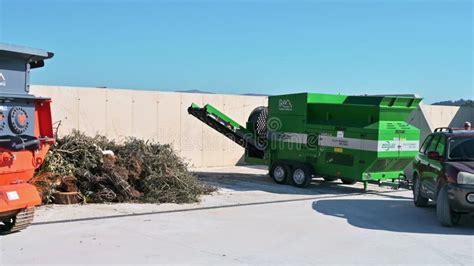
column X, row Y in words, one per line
column 154, row 115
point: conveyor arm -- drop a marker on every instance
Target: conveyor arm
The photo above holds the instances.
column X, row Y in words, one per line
column 225, row 125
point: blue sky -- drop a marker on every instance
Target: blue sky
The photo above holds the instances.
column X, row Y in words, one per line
column 271, row 47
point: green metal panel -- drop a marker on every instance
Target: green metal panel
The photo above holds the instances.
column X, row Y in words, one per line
column 214, row 111
column 352, row 137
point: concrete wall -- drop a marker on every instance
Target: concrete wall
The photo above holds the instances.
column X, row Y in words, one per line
column 428, row 117
column 153, row 115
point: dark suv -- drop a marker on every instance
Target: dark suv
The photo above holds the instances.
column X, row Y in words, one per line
column 444, row 172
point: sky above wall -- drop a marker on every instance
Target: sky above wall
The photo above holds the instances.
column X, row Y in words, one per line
column 264, row 47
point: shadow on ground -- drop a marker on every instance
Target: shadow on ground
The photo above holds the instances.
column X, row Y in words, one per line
column 391, row 215
column 262, row 182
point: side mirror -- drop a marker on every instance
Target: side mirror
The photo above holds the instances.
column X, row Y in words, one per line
column 434, row 155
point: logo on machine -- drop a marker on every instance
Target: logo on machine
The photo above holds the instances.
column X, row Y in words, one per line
column 388, row 145
column 285, row 105
column 3, row 81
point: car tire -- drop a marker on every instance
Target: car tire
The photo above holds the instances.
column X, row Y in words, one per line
column 446, row 216
column 301, row 176
column 279, row 172
column 348, row 181
column 418, row 199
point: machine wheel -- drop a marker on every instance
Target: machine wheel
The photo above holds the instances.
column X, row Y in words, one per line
column 329, row 179
column 446, row 216
column 418, row 199
column 301, row 176
column 21, row 221
column 279, row 172
column 348, row 181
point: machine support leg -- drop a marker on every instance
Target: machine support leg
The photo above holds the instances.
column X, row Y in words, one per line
column 365, row 186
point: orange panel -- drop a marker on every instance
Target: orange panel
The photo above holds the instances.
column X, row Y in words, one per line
column 18, row 167
column 14, row 197
column 44, row 123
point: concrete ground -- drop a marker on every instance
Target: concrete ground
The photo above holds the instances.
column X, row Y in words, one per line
column 250, row 220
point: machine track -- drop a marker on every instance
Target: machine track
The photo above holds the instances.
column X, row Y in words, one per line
column 21, row 221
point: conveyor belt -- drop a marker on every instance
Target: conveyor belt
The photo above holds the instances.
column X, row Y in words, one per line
column 225, row 125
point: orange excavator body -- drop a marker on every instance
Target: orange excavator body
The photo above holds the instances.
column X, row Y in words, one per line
column 26, row 134
column 18, row 167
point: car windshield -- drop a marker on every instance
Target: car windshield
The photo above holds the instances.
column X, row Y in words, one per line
column 461, row 149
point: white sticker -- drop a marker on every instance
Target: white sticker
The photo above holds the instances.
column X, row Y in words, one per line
column 340, row 134
column 12, row 195
column 369, row 145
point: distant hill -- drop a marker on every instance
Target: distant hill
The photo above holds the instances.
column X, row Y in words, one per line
column 460, row 102
column 196, row 91
column 207, row 92
column 255, row 94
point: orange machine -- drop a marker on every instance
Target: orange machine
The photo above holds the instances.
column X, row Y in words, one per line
column 26, row 134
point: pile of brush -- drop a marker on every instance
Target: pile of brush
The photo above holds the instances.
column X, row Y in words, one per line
column 105, row 171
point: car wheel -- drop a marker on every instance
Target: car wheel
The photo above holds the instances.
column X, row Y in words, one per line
column 279, row 172
column 301, row 176
column 348, row 181
column 418, row 199
column 443, row 211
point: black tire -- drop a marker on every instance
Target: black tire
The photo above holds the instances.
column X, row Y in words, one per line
column 279, row 172
column 418, row 199
column 301, row 176
column 348, row 181
column 330, row 179
column 446, row 216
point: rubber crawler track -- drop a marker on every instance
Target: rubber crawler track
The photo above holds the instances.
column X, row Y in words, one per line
column 21, row 221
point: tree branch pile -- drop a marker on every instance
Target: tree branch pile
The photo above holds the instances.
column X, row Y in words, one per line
column 106, row 171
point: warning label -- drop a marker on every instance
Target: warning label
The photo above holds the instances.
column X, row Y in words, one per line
column 12, row 195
